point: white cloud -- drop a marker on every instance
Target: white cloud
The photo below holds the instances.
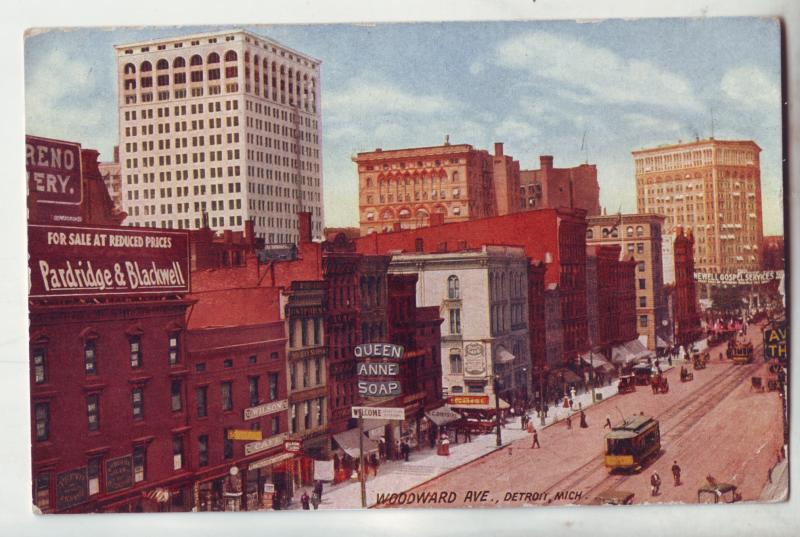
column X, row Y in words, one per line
column 476, row 68
column 57, row 87
column 648, row 123
column 750, row 86
column 513, row 130
column 366, row 96
column 595, row 74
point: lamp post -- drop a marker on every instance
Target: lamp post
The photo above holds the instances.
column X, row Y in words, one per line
column 497, row 385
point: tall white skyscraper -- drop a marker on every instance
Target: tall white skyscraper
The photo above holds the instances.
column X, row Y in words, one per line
column 226, row 124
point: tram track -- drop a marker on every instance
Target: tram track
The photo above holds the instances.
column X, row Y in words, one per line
column 687, row 412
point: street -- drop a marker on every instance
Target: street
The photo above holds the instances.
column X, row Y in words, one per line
column 714, row 425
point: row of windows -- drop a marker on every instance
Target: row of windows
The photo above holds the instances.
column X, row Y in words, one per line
column 613, row 232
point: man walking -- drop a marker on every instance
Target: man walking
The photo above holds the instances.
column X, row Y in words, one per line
column 676, row 473
column 655, row 484
column 304, row 501
column 535, row 443
column 584, row 425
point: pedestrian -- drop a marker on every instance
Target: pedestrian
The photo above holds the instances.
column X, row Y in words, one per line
column 373, row 460
column 571, row 403
column 655, row 484
column 584, row 425
column 304, row 501
column 535, row 443
column 468, row 433
column 569, row 421
column 398, row 450
column 566, row 402
column 522, row 421
column 382, row 447
column 315, row 501
column 608, row 423
column 546, row 409
column 669, row 360
column 406, row 449
column 318, row 489
column 676, row 473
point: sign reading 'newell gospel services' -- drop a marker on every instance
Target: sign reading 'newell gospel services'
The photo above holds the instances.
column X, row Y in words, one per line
column 94, row 261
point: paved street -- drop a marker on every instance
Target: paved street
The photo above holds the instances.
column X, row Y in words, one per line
column 715, row 425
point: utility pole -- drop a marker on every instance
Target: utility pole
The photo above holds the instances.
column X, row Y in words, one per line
column 361, row 473
column 497, row 409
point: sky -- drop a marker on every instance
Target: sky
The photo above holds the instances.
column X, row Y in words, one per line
column 580, row 91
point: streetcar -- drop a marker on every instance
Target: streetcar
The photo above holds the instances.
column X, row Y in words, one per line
column 742, row 353
column 642, row 372
column 629, row 446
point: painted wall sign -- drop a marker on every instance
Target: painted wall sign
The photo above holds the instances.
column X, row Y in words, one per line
column 266, row 409
column 119, row 473
column 390, row 388
column 265, row 444
column 72, row 488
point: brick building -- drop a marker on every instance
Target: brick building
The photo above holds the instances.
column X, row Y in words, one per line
column 404, row 187
column 550, row 187
column 556, row 238
column 686, row 309
column 639, row 235
column 711, row 188
column 611, row 298
column 110, row 170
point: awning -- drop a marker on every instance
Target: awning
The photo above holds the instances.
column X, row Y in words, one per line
column 638, row 350
column 567, row 375
column 598, row 361
column 621, row 355
column 502, row 356
column 487, row 406
column 443, row 415
column 371, row 425
column 348, row 441
column 660, row 343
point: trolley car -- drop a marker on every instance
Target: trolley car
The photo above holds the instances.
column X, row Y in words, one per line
column 629, row 446
column 742, row 353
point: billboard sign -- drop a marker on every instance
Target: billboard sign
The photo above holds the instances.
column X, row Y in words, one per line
column 775, row 342
column 378, row 413
column 55, row 177
column 98, row 261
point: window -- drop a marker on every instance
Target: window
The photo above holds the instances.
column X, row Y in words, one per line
column 294, row 419
column 227, row 445
column 177, row 452
column 642, row 283
column 643, row 321
column 227, row 396
column 307, row 415
column 292, row 376
column 93, row 411
column 227, row 363
column 93, row 472
column 202, row 450
column 305, row 373
column 455, row 321
column 303, row 332
column 320, row 410
column 276, row 424
column 639, row 247
column 456, row 364
column 175, row 395
column 317, row 371
column 42, row 417
column 457, row 389
column 202, row 401
column 475, row 388
column 453, row 288
column 639, row 231
column 642, row 301
column 139, row 463
column 39, row 366
column 137, row 403
column 135, row 343
column 173, row 349
column 317, row 331
column 273, row 386
column 629, row 231
column 43, row 490
column 640, row 266
column 253, row 382
column 90, row 357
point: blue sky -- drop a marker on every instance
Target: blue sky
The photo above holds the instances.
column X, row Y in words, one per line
column 536, row 86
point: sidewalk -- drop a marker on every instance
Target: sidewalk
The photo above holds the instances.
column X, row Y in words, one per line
column 777, row 489
column 425, row 464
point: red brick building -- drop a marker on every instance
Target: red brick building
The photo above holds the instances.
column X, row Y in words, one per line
column 550, row 187
column 106, row 362
column 615, row 306
column 555, row 237
column 235, row 379
column 686, row 314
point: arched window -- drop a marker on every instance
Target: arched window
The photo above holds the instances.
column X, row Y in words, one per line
column 404, row 213
column 639, row 231
column 129, row 69
column 196, row 60
column 178, row 62
column 615, row 232
column 605, row 232
column 589, row 233
column 386, row 215
column 146, row 66
column 162, row 64
column 629, row 231
column 213, row 58
column 456, row 364
column 453, row 287
column 231, row 56
column 455, row 177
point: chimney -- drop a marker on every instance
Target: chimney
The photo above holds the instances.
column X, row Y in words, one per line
column 545, row 161
column 498, row 149
column 304, row 225
column 446, row 139
column 116, row 153
column 249, row 232
column 436, row 219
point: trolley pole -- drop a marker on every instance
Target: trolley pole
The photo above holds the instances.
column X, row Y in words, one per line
column 591, row 373
column 497, row 410
column 361, row 472
column 541, row 396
